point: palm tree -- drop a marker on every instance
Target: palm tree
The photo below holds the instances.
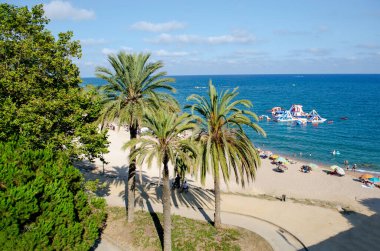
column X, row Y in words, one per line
column 164, row 144
column 225, row 147
column 131, row 90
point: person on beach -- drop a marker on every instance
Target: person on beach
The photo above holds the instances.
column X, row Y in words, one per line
column 305, row 169
column 177, row 181
column 185, row 187
column 354, row 168
column 346, row 164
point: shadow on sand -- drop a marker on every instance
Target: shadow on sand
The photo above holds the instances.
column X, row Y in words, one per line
column 363, row 235
column 149, row 192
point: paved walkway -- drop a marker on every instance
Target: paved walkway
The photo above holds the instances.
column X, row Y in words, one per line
column 107, row 244
column 278, row 238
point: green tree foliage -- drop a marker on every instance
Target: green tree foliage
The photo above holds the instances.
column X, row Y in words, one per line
column 225, row 147
column 164, row 144
column 133, row 88
column 40, row 97
column 43, row 203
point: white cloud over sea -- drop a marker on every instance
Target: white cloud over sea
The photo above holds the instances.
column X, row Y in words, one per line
column 237, row 37
column 165, row 53
column 93, row 41
column 62, row 10
column 158, row 27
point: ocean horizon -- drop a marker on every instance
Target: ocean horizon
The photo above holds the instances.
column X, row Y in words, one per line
column 334, row 96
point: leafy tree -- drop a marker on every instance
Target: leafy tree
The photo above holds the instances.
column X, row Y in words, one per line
column 225, row 147
column 40, row 97
column 43, row 203
column 92, row 142
column 164, row 144
column 132, row 89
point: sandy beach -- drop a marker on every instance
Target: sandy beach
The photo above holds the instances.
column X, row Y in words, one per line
column 325, row 212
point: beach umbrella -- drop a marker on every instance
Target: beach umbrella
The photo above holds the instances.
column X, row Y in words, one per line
column 313, row 166
column 366, row 176
column 334, row 167
column 340, row 171
column 374, row 179
column 282, row 160
column 273, row 156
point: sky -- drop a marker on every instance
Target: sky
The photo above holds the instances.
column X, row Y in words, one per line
column 225, row 37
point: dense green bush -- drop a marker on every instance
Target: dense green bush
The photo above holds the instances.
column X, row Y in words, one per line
column 43, row 202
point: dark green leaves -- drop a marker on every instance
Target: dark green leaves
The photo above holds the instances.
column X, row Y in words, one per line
column 42, row 202
column 40, row 98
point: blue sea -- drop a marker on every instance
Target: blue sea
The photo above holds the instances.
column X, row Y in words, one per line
column 356, row 97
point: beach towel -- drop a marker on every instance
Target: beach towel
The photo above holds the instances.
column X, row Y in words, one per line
column 367, row 186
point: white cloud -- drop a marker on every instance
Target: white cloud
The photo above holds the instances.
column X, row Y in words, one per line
column 93, row 41
column 127, row 49
column 312, row 32
column 158, row 27
column 368, row 46
column 286, row 32
column 89, row 63
column 61, row 10
column 323, row 28
column 238, row 37
column 164, row 53
column 167, row 38
column 247, row 54
column 316, row 52
column 107, row 51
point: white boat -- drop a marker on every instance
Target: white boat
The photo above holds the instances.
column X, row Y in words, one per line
column 314, row 117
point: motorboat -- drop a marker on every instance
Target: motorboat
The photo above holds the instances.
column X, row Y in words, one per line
column 335, row 152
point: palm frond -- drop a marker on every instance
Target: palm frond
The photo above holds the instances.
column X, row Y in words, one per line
column 225, row 147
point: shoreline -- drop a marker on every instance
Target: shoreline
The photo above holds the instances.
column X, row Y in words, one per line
column 323, row 165
column 292, row 182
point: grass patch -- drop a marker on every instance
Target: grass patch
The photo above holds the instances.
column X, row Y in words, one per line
column 187, row 234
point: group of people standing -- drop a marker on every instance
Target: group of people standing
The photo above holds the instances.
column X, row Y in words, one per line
column 177, row 184
column 346, row 164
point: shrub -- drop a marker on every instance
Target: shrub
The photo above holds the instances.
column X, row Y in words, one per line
column 43, row 202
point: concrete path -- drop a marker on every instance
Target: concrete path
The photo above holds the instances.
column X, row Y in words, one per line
column 278, row 238
column 106, row 244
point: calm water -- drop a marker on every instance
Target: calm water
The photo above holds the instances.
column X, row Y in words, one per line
column 333, row 96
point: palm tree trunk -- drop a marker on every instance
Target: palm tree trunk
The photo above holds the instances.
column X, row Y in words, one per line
column 159, row 176
column 132, row 180
column 217, row 219
column 166, row 207
column 140, row 176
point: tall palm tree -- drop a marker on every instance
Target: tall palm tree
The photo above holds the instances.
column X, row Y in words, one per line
column 131, row 90
column 225, row 147
column 164, row 144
